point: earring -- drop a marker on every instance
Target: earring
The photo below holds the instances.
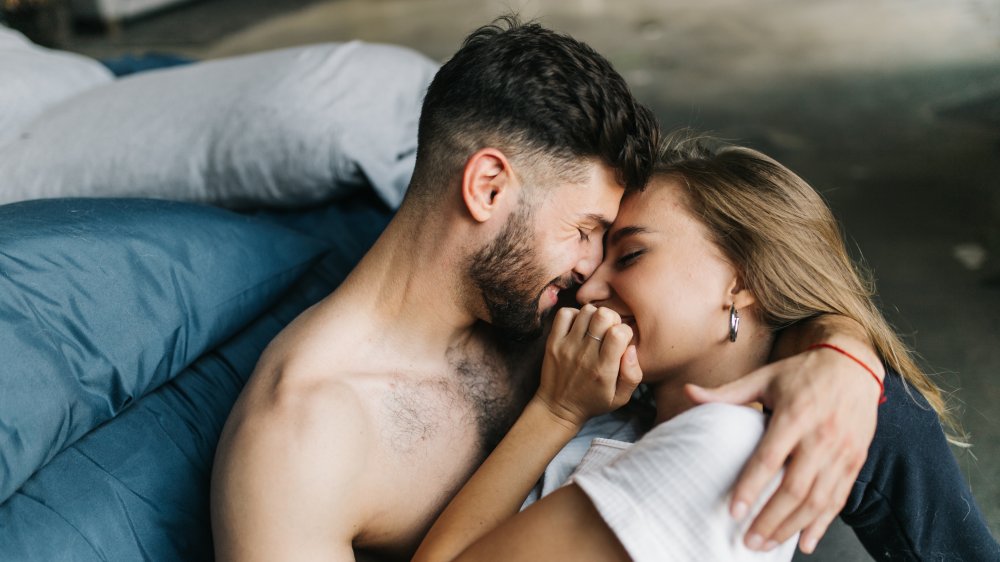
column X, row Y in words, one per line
column 734, row 322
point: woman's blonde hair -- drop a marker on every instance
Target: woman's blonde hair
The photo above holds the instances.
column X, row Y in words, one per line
column 784, row 241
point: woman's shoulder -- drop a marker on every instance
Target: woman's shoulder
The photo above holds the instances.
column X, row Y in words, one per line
column 904, row 409
column 717, row 421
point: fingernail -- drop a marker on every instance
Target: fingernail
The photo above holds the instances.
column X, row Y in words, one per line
column 740, row 510
column 630, row 354
column 771, row 545
column 754, row 541
column 809, row 545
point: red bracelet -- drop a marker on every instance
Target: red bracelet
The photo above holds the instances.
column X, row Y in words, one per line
column 881, row 386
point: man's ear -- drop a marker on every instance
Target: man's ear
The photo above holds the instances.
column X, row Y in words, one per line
column 488, row 184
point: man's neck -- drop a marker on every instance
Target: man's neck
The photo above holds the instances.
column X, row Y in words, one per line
column 409, row 289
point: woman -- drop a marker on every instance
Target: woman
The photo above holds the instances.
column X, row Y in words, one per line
column 722, row 250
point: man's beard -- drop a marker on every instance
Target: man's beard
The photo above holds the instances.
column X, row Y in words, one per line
column 510, row 279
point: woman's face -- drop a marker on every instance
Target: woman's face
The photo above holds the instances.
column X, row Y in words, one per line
column 667, row 280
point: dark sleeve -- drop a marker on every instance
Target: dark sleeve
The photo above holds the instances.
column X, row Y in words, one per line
column 910, row 501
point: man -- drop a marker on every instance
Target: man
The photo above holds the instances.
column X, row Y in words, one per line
column 369, row 411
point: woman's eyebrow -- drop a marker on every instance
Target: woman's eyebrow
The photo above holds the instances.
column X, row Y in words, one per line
column 626, row 231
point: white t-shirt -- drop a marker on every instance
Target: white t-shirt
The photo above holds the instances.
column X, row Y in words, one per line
column 666, row 497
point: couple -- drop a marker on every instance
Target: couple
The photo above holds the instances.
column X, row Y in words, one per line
column 368, row 413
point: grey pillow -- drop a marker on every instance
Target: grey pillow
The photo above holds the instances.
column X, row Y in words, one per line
column 33, row 78
column 282, row 128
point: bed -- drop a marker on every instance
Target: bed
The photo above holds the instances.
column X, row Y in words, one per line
column 156, row 232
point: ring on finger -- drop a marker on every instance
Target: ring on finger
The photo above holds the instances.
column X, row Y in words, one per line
column 589, row 335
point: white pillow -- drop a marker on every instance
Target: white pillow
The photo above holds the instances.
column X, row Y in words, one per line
column 280, row 128
column 33, row 78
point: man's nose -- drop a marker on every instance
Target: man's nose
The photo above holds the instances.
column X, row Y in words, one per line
column 590, row 261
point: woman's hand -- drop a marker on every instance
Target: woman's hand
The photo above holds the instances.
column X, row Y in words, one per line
column 825, row 412
column 589, row 367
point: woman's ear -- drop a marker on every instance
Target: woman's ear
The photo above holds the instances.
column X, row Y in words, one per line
column 488, row 184
column 740, row 295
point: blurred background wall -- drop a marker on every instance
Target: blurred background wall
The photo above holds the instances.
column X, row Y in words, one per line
column 891, row 108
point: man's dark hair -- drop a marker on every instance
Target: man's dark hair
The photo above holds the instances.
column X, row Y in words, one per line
column 533, row 93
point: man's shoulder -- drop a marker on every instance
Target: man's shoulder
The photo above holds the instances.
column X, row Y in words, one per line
column 297, row 430
column 295, row 454
column 308, row 413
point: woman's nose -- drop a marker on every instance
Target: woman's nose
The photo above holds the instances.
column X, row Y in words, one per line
column 595, row 289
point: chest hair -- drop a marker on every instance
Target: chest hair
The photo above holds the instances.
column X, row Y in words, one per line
column 485, row 390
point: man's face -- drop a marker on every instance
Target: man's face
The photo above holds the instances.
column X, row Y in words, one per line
column 546, row 247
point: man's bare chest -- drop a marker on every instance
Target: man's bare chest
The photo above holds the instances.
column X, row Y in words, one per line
column 466, row 411
column 430, row 436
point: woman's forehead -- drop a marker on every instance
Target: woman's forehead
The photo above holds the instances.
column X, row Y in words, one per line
column 661, row 197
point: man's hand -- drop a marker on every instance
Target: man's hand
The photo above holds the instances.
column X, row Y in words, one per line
column 824, row 413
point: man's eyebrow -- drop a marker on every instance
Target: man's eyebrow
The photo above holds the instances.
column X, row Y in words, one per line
column 599, row 220
column 625, row 231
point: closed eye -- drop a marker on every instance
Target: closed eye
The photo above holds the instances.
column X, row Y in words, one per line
column 628, row 259
column 584, row 235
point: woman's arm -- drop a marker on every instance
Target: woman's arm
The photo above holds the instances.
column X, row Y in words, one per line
column 589, row 369
column 824, row 408
column 563, row 525
column 497, row 489
column 910, row 501
column 663, row 498
column 829, row 328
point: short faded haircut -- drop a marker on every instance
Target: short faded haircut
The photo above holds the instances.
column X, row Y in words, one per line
column 543, row 98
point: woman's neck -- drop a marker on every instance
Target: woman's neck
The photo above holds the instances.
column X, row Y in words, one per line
column 733, row 360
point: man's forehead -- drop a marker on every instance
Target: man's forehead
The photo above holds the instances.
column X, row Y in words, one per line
column 597, row 219
column 590, row 197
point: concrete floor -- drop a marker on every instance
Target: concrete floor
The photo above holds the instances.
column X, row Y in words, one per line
column 891, row 108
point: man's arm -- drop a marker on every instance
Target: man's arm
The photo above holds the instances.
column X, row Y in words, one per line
column 824, row 408
column 286, row 478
